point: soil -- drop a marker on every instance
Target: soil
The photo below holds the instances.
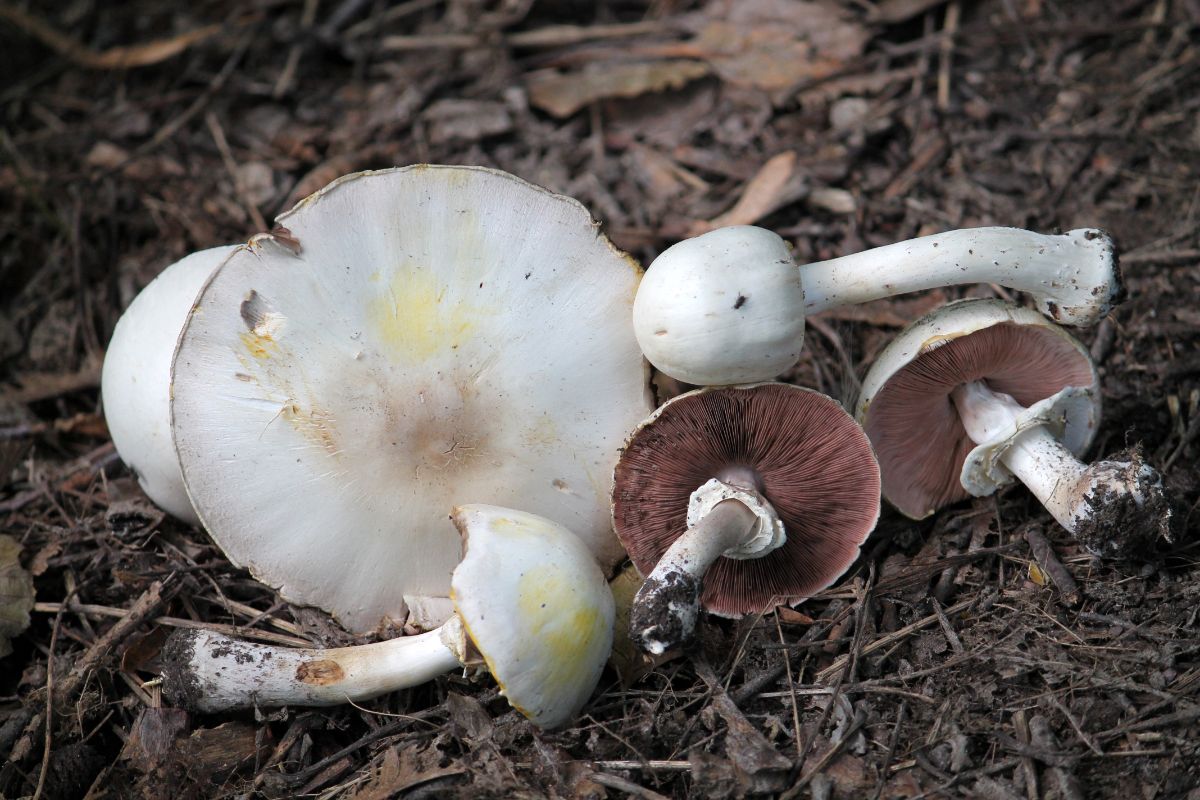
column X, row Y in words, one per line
column 955, row 660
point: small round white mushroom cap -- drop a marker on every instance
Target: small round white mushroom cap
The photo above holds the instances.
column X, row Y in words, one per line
column 418, row 336
column 136, row 380
column 536, row 606
column 722, row 308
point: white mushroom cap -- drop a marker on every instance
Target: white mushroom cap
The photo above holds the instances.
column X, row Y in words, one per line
column 420, row 335
column 536, row 606
column 136, row 380
column 722, row 308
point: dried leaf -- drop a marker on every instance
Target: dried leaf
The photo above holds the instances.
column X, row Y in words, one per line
column 473, row 723
column 41, row 559
column 140, row 55
column 152, row 741
column 777, row 44
column 455, row 120
column 562, row 94
column 217, row 753
column 1037, row 576
column 765, row 192
column 404, row 768
column 16, row 593
column 888, row 313
column 790, row 616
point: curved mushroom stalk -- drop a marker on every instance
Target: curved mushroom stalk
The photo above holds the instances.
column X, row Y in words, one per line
column 1115, row 507
column 1073, row 277
column 728, row 306
column 530, row 601
column 209, row 672
column 731, row 521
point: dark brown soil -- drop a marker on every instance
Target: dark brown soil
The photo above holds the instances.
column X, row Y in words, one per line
column 947, row 664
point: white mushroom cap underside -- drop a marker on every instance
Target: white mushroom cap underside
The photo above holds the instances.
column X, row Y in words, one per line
column 135, row 382
column 443, row 334
column 960, row 318
column 536, row 606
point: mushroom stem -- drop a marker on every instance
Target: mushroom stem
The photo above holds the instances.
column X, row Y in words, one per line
column 208, row 672
column 1073, row 276
column 725, row 519
column 1114, row 507
column 1036, row 458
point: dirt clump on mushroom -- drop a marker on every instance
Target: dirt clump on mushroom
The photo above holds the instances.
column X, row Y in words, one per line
column 1123, row 525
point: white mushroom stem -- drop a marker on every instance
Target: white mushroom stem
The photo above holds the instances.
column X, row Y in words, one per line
column 1073, row 276
column 1115, row 507
column 1036, row 457
column 208, row 672
column 725, row 519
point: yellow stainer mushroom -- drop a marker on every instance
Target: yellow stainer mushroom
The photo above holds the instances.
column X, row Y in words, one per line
column 530, row 602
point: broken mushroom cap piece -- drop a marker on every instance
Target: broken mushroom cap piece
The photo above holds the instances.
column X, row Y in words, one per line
column 728, row 306
column 420, row 335
column 737, row 499
column 529, row 600
column 981, row 392
column 135, row 382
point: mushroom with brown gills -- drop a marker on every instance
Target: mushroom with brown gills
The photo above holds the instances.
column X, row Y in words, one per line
column 980, row 392
column 738, row 498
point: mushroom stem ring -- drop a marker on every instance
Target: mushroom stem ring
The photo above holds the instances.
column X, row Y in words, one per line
column 788, row 491
column 980, row 393
column 724, row 519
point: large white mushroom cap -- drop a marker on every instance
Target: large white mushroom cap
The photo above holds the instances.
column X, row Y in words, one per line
column 416, row 338
column 536, row 606
column 136, row 380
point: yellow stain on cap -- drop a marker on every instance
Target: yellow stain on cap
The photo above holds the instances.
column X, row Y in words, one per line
column 563, row 630
column 415, row 319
